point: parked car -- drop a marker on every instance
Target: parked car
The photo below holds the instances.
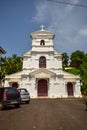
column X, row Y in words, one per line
column 25, row 96
column 9, row 96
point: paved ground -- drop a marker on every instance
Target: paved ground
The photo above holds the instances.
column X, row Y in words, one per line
column 46, row 114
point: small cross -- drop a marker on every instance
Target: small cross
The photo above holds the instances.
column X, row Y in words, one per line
column 42, row 27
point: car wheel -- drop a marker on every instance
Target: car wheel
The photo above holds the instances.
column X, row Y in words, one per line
column 1, row 106
column 17, row 105
column 27, row 102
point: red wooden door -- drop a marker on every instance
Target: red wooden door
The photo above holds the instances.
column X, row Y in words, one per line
column 42, row 87
column 70, row 89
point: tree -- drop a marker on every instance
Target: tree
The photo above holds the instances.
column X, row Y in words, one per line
column 83, row 73
column 77, row 58
column 73, row 71
column 16, row 63
column 10, row 65
column 65, row 59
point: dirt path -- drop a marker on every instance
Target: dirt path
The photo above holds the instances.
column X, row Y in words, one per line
column 46, row 114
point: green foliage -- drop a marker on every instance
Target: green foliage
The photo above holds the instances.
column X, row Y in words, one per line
column 78, row 66
column 83, row 72
column 10, row 65
column 65, row 59
column 73, row 71
column 83, row 69
column 79, row 61
column 77, row 58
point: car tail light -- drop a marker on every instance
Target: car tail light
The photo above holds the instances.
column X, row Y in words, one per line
column 4, row 96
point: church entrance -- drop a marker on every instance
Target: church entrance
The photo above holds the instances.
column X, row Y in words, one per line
column 70, row 89
column 42, row 87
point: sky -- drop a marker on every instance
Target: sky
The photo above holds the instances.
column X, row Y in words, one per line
column 19, row 18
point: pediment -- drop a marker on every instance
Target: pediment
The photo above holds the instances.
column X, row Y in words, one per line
column 42, row 73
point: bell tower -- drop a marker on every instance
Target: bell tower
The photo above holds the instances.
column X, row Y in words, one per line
column 42, row 40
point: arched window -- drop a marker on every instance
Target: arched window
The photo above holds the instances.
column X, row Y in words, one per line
column 42, row 62
column 42, row 42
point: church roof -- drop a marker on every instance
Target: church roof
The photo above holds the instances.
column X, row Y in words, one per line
column 42, row 34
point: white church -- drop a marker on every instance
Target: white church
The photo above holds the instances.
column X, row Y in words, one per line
column 42, row 74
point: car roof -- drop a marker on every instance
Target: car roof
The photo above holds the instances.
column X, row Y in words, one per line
column 22, row 88
column 5, row 87
column 8, row 88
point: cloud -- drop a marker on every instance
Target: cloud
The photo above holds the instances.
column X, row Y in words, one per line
column 70, row 7
column 66, row 22
column 41, row 12
column 83, row 32
column 74, row 1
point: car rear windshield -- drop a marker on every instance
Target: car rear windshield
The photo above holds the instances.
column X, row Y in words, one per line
column 10, row 90
column 23, row 90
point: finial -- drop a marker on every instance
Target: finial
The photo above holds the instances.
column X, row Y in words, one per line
column 42, row 27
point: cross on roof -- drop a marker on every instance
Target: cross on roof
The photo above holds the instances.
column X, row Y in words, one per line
column 42, row 27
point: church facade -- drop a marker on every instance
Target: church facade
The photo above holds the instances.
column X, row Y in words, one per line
column 42, row 74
